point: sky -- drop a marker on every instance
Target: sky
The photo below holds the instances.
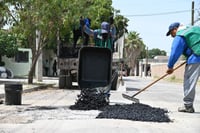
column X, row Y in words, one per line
column 152, row 28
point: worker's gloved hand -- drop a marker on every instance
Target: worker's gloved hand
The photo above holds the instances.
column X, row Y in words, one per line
column 170, row 71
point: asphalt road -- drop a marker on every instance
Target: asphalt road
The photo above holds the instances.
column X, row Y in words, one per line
column 47, row 110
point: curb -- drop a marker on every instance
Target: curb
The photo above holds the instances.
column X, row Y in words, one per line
column 36, row 88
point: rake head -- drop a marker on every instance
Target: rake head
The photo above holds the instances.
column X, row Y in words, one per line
column 130, row 98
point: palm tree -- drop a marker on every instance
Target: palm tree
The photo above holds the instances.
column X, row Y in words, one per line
column 133, row 47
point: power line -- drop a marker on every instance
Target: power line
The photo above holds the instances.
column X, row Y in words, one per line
column 157, row 14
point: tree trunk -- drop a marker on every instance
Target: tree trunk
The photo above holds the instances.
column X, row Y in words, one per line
column 30, row 77
column 32, row 70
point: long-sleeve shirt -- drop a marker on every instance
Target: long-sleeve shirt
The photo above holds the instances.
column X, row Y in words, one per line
column 178, row 48
column 95, row 32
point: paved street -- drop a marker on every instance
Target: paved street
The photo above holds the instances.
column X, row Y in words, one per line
column 47, row 110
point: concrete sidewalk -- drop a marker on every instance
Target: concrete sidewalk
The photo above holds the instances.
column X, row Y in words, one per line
column 47, row 82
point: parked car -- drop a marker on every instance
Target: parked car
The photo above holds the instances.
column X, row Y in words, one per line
column 5, row 72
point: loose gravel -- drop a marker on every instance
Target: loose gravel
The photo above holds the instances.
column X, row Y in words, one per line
column 136, row 112
column 88, row 100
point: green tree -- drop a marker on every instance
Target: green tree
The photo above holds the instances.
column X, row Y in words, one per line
column 53, row 19
column 121, row 25
column 8, row 45
column 155, row 52
column 133, row 48
column 4, row 13
column 1, row 15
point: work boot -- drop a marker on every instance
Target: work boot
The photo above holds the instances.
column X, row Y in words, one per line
column 186, row 108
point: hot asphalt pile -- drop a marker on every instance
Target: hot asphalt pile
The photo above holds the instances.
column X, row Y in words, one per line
column 88, row 100
column 136, row 112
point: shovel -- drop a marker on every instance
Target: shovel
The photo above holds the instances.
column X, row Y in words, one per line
column 137, row 100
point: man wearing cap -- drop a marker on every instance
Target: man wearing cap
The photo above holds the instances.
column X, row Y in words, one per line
column 103, row 37
column 192, row 68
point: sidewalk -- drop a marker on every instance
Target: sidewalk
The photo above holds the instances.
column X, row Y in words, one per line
column 47, row 81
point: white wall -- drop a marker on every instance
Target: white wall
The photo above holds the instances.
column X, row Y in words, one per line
column 120, row 45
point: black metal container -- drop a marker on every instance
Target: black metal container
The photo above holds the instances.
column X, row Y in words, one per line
column 13, row 94
column 95, row 67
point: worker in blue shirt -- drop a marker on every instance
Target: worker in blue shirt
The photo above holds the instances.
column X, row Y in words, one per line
column 77, row 33
column 192, row 68
column 103, row 37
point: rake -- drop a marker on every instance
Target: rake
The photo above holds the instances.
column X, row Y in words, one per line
column 132, row 98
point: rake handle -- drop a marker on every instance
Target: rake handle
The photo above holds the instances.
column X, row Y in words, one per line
column 157, row 80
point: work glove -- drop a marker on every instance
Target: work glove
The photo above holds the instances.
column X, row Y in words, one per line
column 170, row 71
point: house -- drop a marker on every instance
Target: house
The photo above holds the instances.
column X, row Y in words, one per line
column 158, row 67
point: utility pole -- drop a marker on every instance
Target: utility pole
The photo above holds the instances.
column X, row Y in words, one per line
column 192, row 19
column 146, row 63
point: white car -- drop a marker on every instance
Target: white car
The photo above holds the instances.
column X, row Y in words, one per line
column 5, row 72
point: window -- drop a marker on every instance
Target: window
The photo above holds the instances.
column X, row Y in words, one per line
column 22, row 56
